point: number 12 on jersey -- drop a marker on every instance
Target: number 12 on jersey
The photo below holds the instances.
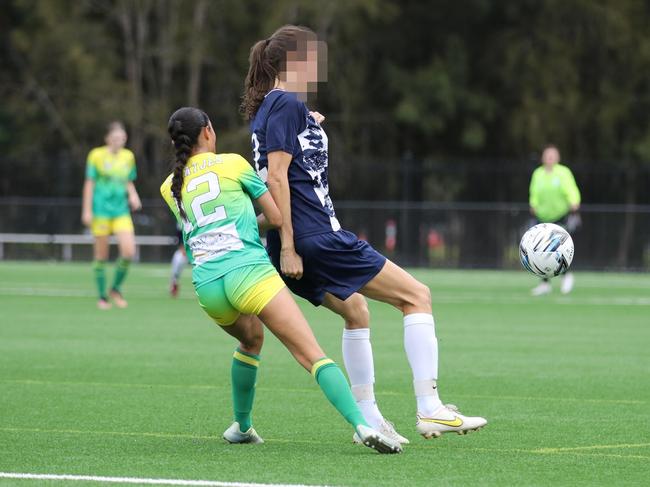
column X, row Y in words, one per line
column 208, row 194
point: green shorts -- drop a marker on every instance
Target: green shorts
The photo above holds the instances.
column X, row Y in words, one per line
column 244, row 290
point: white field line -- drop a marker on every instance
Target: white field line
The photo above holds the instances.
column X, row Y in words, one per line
column 460, row 298
column 136, row 480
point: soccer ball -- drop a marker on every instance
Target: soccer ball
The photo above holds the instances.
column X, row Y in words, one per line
column 546, row 250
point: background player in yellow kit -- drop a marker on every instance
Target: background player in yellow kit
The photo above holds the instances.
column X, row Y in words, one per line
column 108, row 193
column 210, row 195
column 554, row 198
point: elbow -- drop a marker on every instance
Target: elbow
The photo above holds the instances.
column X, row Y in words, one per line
column 275, row 179
column 275, row 219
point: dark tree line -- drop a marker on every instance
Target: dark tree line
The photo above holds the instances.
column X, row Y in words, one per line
column 430, row 100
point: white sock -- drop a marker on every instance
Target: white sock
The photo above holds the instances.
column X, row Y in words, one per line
column 421, row 347
column 178, row 263
column 357, row 357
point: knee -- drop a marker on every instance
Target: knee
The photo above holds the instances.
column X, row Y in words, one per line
column 253, row 340
column 356, row 313
column 419, row 299
column 128, row 253
column 101, row 253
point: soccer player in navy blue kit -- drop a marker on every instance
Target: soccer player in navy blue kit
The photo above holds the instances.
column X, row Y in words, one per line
column 319, row 260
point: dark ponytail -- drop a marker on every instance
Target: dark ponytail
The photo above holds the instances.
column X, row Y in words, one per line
column 267, row 60
column 184, row 127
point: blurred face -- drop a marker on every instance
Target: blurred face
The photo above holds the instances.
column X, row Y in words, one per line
column 116, row 139
column 550, row 157
column 305, row 67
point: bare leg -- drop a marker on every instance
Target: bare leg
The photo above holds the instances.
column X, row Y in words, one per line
column 353, row 310
column 100, row 251
column 101, row 248
column 285, row 320
column 249, row 331
column 393, row 285
column 126, row 244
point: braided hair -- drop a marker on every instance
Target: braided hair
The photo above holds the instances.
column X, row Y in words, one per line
column 184, row 127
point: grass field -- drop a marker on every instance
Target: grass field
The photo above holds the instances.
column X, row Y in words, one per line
column 144, row 392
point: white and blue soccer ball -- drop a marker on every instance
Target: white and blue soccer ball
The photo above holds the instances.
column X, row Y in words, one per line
column 546, row 250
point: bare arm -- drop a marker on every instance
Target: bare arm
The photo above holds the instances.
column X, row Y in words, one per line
column 87, row 202
column 134, row 199
column 270, row 216
column 278, row 183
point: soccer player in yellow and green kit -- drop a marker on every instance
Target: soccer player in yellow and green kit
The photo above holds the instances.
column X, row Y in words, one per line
column 108, row 193
column 554, row 198
column 210, row 195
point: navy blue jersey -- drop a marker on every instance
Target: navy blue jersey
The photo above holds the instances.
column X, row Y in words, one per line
column 283, row 123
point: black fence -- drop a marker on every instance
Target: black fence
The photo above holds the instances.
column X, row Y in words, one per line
column 456, row 235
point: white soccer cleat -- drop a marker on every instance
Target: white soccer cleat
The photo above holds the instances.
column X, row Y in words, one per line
column 447, row 419
column 234, row 435
column 567, row 283
column 377, row 441
column 543, row 288
column 387, row 429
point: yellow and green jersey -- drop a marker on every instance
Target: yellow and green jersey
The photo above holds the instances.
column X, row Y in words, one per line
column 220, row 232
column 553, row 193
column 111, row 173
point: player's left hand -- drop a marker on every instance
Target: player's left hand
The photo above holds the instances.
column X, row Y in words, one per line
column 320, row 118
column 134, row 202
column 291, row 263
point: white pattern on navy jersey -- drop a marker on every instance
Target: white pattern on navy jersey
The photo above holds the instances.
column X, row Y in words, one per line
column 314, row 143
column 283, row 123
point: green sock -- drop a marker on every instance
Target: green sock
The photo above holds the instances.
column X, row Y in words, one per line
column 337, row 390
column 99, row 269
column 244, row 375
column 121, row 269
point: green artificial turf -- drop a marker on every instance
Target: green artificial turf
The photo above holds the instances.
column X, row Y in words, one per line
column 144, row 392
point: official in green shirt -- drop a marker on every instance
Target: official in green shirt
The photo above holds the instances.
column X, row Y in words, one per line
column 554, row 196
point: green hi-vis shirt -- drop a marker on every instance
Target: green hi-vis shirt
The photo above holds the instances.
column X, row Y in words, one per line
column 221, row 232
column 553, row 193
column 111, row 173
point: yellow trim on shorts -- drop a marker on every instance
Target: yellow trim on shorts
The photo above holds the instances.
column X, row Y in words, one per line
column 261, row 294
column 319, row 364
column 104, row 226
column 246, row 359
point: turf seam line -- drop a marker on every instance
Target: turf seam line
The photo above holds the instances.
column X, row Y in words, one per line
column 576, row 451
column 314, row 390
column 137, row 480
column 438, row 298
column 593, row 447
column 216, row 437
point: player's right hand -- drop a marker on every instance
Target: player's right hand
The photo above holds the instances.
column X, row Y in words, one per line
column 87, row 218
column 290, row 263
column 318, row 117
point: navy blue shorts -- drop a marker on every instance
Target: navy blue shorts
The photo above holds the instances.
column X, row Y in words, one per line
column 335, row 262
